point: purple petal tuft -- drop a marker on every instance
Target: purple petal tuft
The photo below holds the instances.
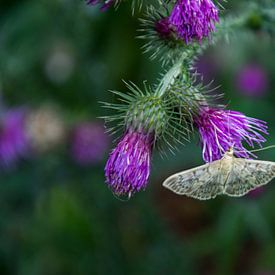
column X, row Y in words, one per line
column 221, row 129
column 194, row 19
column 128, row 167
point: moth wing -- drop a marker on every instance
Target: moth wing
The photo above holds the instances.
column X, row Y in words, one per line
column 203, row 182
column 247, row 175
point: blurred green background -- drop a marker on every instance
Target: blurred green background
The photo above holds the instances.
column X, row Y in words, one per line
column 57, row 217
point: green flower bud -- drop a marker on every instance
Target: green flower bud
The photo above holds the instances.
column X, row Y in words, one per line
column 148, row 115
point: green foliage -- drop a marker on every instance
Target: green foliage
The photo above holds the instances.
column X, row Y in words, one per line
column 59, row 218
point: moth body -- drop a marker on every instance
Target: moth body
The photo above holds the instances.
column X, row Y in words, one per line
column 231, row 176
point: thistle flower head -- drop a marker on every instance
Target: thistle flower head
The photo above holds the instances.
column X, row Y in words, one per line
column 13, row 140
column 148, row 118
column 194, row 19
column 161, row 40
column 221, row 129
column 128, row 167
column 144, row 118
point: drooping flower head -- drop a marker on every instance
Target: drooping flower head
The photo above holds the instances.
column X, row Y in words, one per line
column 105, row 4
column 221, row 129
column 252, row 80
column 194, row 19
column 14, row 143
column 128, row 167
column 89, row 143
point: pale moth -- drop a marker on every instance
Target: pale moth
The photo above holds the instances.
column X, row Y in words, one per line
column 231, row 176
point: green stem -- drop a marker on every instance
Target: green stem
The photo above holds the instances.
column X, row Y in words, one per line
column 169, row 78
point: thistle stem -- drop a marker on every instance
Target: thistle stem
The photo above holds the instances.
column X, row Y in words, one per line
column 169, row 78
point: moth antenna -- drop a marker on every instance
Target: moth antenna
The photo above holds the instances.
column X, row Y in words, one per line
column 263, row 149
column 228, row 131
column 258, row 150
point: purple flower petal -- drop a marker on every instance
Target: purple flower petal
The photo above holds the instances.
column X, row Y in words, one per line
column 221, row 129
column 128, row 167
column 194, row 19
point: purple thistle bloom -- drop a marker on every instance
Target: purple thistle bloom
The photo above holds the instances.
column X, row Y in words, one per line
column 252, row 80
column 194, row 19
column 221, row 129
column 128, row 167
column 105, row 5
column 13, row 139
column 163, row 28
column 89, row 143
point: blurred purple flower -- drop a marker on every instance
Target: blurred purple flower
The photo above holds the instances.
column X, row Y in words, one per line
column 105, row 5
column 221, row 129
column 194, row 19
column 254, row 194
column 252, row 80
column 128, row 167
column 207, row 68
column 89, row 143
column 13, row 139
column 163, row 28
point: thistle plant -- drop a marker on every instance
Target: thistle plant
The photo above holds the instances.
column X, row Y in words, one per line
column 168, row 112
column 146, row 118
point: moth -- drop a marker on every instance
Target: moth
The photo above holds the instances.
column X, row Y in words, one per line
column 231, row 176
